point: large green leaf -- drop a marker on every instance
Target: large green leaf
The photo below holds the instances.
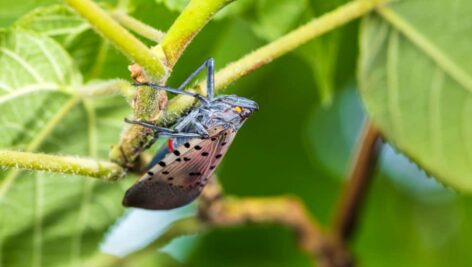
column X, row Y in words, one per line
column 50, row 219
column 416, row 80
column 91, row 53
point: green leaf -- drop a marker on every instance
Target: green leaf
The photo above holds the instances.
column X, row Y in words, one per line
column 54, row 21
column 50, row 219
column 92, row 54
column 415, row 72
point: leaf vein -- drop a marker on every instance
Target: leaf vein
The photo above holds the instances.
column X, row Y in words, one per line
column 428, row 47
column 23, row 63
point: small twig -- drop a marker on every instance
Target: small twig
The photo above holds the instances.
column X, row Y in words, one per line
column 288, row 211
column 263, row 55
column 103, row 170
column 351, row 200
column 137, row 26
column 129, row 45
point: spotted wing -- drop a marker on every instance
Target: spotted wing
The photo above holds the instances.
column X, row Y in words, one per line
column 177, row 179
column 227, row 137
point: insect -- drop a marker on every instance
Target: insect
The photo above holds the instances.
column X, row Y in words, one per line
column 197, row 144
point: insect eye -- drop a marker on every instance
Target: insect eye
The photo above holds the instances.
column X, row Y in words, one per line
column 238, row 109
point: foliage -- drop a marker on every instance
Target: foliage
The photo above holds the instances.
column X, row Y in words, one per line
column 414, row 77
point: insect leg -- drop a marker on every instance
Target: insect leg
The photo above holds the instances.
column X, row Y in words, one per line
column 173, row 90
column 200, row 129
column 179, row 134
column 161, row 131
column 190, row 120
column 150, row 143
column 150, row 126
column 209, row 64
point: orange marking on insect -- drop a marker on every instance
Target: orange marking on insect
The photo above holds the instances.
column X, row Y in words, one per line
column 170, row 145
column 238, row 109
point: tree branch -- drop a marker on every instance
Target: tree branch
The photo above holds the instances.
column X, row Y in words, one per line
column 351, row 199
column 103, row 170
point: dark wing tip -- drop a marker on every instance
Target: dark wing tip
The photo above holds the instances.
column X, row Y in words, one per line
column 158, row 196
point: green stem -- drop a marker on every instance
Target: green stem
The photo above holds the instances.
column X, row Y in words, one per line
column 138, row 27
column 294, row 39
column 129, row 45
column 107, row 88
column 258, row 58
column 192, row 19
column 11, row 176
column 69, row 165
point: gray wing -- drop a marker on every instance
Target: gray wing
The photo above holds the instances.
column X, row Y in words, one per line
column 177, row 179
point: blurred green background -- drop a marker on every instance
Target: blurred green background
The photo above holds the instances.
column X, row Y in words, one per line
column 299, row 143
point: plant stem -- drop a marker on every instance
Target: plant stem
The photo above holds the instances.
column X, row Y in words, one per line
column 138, row 27
column 192, row 19
column 315, row 28
column 275, row 49
column 351, row 200
column 69, row 165
column 129, row 45
column 107, row 88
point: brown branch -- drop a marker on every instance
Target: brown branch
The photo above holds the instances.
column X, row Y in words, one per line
column 218, row 211
column 352, row 198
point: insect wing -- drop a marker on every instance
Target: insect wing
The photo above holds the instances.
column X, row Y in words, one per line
column 177, row 179
column 227, row 138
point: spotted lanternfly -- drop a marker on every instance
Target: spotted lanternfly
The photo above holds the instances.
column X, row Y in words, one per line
column 197, row 144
